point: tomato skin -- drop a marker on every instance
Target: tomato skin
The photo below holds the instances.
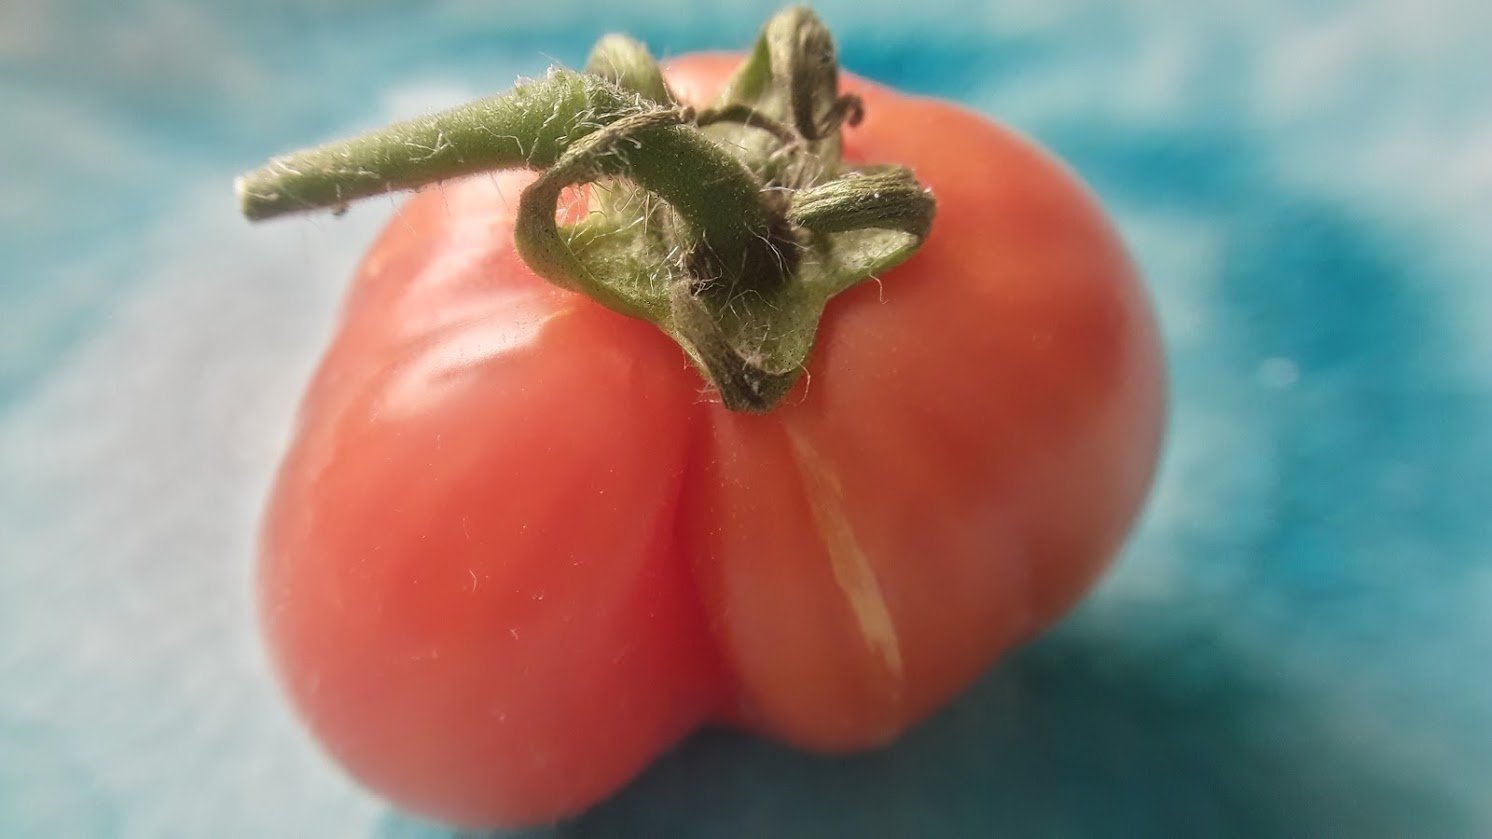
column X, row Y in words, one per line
column 513, row 554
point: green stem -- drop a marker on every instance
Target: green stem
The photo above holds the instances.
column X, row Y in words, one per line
column 624, row 61
column 529, row 126
column 729, row 220
column 888, row 199
column 757, row 225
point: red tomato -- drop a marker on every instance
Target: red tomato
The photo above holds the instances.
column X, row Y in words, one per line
column 514, row 551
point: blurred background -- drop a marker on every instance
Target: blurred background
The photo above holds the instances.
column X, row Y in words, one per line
column 1297, row 642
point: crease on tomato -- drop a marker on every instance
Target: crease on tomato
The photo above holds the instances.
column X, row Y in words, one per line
column 719, row 684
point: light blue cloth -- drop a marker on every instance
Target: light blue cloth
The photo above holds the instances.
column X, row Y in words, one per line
column 1298, row 642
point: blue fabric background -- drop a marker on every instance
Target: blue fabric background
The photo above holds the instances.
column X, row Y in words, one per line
column 1297, row 642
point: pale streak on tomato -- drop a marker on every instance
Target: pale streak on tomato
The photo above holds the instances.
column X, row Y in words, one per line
column 852, row 568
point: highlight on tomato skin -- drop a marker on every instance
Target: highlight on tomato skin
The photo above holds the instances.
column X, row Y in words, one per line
column 516, row 550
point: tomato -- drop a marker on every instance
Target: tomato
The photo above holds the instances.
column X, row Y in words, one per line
column 516, row 550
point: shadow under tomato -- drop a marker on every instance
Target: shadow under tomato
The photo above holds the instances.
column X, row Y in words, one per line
column 1075, row 736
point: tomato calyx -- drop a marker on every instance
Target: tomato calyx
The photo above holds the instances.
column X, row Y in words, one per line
column 759, row 225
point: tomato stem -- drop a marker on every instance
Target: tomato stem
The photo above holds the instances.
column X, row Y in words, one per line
column 759, row 222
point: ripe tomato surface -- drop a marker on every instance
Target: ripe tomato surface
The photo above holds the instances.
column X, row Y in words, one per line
column 516, row 551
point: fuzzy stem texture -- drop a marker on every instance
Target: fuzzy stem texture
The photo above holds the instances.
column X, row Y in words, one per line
column 729, row 227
